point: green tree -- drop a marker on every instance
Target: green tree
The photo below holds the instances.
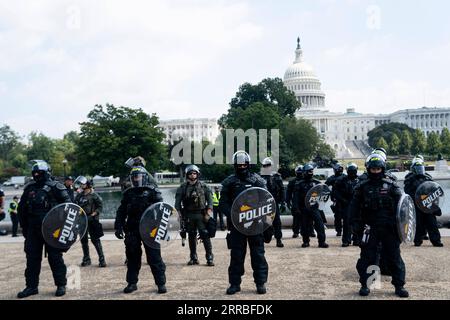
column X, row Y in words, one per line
column 406, row 142
column 270, row 91
column 42, row 147
column 381, row 143
column 113, row 134
column 9, row 140
column 394, row 144
column 325, row 151
column 301, row 140
column 419, row 142
column 258, row 115
column 386, row 131
column 445, row 140
column 433, row 143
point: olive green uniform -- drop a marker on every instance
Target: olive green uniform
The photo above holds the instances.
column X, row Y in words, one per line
column 193, row 201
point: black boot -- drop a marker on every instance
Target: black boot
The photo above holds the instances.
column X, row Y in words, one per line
column 60, row 291
column 208, row 249
column 130, row 288
column 280, row 243
column 101, row 257
column 162, row 289
column 261, row 288
column 86, row 259
column 193, row 249
column 232, row 289
column 323, row 245
column 401, row 292
column 364, row 291
column 27, row 292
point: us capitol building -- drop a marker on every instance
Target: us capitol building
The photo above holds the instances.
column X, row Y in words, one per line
column 347, row 132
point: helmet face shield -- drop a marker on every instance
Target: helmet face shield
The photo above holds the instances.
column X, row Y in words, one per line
column 139, row 177
column 352, row 169
column 419, row 169
column 241, row 157
column 40, row 170
column 267, row 162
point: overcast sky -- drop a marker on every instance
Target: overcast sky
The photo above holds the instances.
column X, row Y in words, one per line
column 187, row 58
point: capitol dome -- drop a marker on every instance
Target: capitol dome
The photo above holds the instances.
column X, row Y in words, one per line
column 301, row 79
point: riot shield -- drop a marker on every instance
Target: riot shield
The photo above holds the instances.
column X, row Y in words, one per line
column 253, row 211
column 429, row 197
column 159, row 225
column 317, row 196
column 406, row 219
column 64, row 225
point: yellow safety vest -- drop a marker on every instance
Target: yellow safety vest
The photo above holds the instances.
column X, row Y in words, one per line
column 216, row 199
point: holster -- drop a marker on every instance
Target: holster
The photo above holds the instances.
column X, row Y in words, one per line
column 228, row 238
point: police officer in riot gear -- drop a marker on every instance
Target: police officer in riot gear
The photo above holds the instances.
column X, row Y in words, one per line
column 310, row 214
column 92, row 204
column 373, row 214
column 275, row 186
column 38, row 198
column 135, row 200
column 232, row 186
column 424, row 221
column 193, row 200
column 337, row 210
column 68, row 183
column 292, row 204
column 292, row 200
column 343, row 194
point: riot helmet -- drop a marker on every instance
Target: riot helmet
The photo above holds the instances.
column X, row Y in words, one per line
column 418, row 167
column 299, row 172
column 338, row 169
column 308, row 171
column 352, row 170
column 266, row 166
column 40, row 170
column 241, row 162
column 139, row 177
column 374, row 163
column 192, row 172
column 381, row 151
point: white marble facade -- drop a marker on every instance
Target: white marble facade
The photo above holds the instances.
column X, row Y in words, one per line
column 347, row 132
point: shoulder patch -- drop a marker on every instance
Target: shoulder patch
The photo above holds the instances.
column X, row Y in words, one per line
column 60, row 186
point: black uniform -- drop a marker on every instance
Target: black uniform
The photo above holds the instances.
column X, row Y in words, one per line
column 37, row 199
column 309, row 215
column 424, row 221
column 231, row 188
column 275, row 186
column 91, row 203
column 374, row 204
column 295, row 212
column 134, row 202
column 71, row 193
column 343, row 194
column 336, row 208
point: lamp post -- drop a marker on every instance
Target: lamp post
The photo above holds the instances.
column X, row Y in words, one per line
column 64, row 162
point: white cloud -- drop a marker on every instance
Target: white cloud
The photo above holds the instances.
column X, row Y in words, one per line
column 134, row 53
